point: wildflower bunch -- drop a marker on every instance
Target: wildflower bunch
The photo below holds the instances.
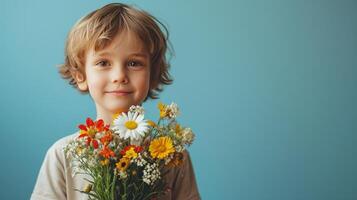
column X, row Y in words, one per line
column 125, row 159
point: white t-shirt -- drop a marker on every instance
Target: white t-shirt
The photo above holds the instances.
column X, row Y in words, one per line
column 55, row 180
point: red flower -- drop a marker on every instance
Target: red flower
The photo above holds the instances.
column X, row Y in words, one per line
column 95, row 144
column 137, row 149
column 89, row 130
column 92, row 141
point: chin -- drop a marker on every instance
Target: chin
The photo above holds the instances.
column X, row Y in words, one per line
column 120, row 108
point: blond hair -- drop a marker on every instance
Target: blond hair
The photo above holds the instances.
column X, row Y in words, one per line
column 98, row 29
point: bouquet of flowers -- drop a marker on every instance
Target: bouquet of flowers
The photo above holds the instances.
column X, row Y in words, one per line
column 125, row 160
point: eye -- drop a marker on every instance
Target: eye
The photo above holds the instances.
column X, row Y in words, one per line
column 103, row 63
column 134, row 63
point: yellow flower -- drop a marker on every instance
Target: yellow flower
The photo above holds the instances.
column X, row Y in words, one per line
column 79, row 150
column 161, row 147
column 88, row 188
column 131, row 153
column 104, row 162
column 151, row 123
column 178, row 130
column 123, row 164
column 116, row 115
column 162, row 108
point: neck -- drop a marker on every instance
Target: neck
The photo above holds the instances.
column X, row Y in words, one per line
column 107, row 118
column 106, row 115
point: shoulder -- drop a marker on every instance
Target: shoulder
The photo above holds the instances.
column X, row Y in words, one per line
column 186, row 166
column 62, row 142
column 56, row 150
column 186, row 155
column 181, row 180
column 52, row 179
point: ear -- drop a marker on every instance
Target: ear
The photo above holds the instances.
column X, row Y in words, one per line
column 81, row 81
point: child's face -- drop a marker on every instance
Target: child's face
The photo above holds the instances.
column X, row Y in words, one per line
column 119, row 75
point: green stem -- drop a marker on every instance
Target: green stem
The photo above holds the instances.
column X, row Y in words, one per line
column 113, row 187
column 124, row 196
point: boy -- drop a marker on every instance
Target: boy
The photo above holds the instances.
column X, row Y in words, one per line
column 117, row 55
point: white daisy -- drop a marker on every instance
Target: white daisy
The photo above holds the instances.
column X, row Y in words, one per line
column 131, row 126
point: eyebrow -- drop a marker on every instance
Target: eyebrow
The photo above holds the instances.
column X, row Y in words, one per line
column 133, row 54
column 140, row 55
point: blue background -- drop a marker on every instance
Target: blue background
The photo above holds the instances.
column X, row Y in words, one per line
column 269, row 88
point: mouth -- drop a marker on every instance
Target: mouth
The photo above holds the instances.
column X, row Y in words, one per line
column 119, row 92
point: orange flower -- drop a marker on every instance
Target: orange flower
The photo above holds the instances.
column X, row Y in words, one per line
column 106, row 152
column 108, row 137
column 176, row 160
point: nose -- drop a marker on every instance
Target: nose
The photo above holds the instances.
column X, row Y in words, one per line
column 119, row 74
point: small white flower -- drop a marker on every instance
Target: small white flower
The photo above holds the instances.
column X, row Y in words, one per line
column 179, row 148
column 131, row 126
column 173, row 110
column 137, row 109
column 169, row 158
column 140, row 161
column 151, row 173
column 123, row 175
column 187, row 136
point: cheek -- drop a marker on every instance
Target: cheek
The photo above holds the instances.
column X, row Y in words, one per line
column 147, row 82
column 95, row 83
column 143, row 83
